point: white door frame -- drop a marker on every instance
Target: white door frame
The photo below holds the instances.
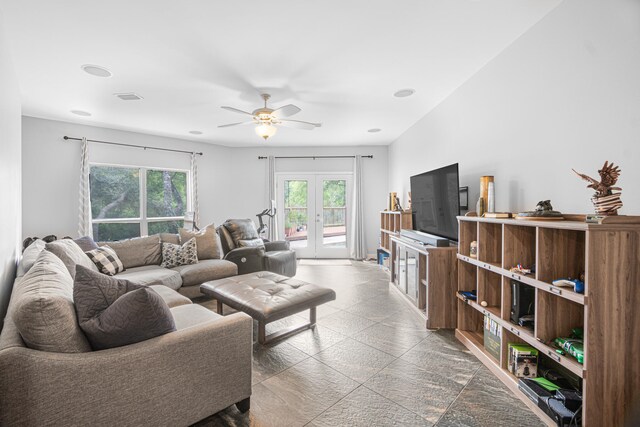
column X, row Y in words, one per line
column 315, row 248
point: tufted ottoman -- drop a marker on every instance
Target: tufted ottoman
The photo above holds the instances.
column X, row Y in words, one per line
column 267, row 297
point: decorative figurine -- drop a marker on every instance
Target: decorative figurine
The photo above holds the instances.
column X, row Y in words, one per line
column 473, row 249
column 544, row 211
column 605, row 201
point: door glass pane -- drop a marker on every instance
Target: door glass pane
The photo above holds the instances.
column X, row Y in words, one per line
column 166, row 193
column 295, row 212
column 334, row 208
column 115, row 192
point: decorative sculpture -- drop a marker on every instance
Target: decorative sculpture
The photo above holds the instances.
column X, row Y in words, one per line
column 605, row 201
column 544, row 210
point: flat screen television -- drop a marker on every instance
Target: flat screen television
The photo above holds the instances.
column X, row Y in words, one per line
column 435, row 200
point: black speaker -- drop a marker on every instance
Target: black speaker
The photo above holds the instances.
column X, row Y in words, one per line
column 522, row 300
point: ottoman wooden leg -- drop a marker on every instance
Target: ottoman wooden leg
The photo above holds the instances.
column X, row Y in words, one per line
column 220, row 307
column 262, row 332
column 312, row 317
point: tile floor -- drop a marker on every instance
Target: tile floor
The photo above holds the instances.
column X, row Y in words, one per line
column 370, row 362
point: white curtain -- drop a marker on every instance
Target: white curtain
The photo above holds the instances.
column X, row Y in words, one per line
column 84, row 214
column 358, row 244
column 194, row 190
column 273, row 222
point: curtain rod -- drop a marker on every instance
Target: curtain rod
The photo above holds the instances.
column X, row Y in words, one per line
column 132, row 145
column 315, row 157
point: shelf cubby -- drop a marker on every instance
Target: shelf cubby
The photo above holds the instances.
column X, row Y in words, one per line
column 490, row 290
column 467, row 233
column 561, row 254
column 556, row 316
column 490, row 243
column 470, row 320
column 467, row 276
column 519, row 246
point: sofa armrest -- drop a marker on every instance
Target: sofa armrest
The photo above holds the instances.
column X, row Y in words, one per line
column 279, row 245
column 178, row 378
column 248, row 259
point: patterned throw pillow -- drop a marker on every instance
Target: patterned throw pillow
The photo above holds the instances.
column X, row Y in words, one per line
column 175, row 255
column 106, row 260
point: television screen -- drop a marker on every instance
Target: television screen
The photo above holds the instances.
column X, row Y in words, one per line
column 435, row 200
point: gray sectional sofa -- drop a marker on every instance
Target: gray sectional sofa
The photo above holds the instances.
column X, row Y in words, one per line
column 174, row 379
column 142, row 257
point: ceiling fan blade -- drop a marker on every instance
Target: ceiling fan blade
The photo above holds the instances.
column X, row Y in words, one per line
column 235, row 124
column 297, row 124
column 286, row 111
column 235, row 110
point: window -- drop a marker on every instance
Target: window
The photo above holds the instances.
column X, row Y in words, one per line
column 131, row 202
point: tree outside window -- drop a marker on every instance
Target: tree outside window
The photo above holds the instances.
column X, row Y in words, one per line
column 130, row 202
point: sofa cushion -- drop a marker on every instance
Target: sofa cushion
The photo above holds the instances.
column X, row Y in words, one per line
column 186, row 316
column 207, row 240
column 175, row 255
column 203, row 271
column 71, row 255
column 241, row 229
column 137, row 251
column 170, row 238
column 42, row 308
column 251, row 243
column 115, row 312
column 106, row 260
column 86, row 243
column 29, row 256
column 171, row 297
column 152, row 275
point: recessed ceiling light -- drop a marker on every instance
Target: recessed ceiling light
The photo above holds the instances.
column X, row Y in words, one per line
column 195, row 132
column 96, row 70
column 81, row 113
column 374, row 130
column 129, row 96
column 403, row 93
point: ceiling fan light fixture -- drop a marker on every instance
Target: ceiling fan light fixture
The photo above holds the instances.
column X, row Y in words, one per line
column 266, row 131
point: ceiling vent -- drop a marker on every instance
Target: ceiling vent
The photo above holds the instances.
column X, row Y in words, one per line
column 130, row 96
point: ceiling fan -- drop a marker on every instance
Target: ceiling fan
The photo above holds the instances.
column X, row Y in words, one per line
column 267, row 119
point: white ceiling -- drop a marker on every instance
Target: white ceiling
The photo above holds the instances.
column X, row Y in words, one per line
column 340, row 61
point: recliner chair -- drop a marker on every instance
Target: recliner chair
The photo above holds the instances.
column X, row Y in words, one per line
column 242, row 246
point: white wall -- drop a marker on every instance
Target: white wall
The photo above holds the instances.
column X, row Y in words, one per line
column 564, row 95
column 51, row 168
column 232, row 181
column 10, row 164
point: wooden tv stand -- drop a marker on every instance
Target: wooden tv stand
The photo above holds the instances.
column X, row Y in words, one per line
column 427, row 276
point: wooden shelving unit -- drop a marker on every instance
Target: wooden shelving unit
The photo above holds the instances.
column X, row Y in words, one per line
column 608, row 254
column 391, row 222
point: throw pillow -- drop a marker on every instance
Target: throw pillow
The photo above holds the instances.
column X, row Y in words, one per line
column 241, row 229
column 175, row 255
column 86, row 243
column 29, row 256
column 106, row 260
column 253, row 243
column 207, row 240
column 42, row 308
column 115, row 312
column 137, row 251
column 70, row 254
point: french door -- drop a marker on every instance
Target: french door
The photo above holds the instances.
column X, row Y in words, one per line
column 314, row 213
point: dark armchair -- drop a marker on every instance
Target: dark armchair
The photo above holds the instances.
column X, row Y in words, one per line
column 242, row 246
